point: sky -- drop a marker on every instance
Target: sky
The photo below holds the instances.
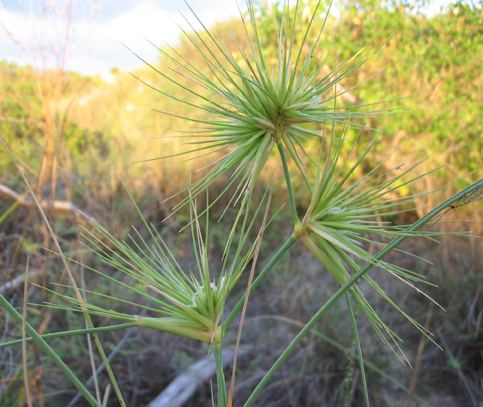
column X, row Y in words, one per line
column 99, row 28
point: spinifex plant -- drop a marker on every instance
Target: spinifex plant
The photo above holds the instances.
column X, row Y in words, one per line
column 252, row 104
column 186, row 303
column 345, row 215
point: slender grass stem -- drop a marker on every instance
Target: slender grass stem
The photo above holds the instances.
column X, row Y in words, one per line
column 288, row 182
column 73, row 332
column 28, row 396
column 49, row 351
column 220, row 376
column 263, row 274
column 106, row 396
column 355, row 277
column 360, row 356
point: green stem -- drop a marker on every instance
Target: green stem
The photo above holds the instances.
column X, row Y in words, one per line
column 220, row 377
column 49, row 351
column 263, row 274
column 173, row 326
column 288, row 182
column 73, row 332
column 356, row 277
column 105, row 400
column 360, row 356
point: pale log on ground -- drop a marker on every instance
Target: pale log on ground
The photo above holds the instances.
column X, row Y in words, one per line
column 63, row 209
column 182, row 388
column 17, row 281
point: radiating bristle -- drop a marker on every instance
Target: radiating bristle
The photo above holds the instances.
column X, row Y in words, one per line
column 345, row 214
column 189, row 304
column 248, row 103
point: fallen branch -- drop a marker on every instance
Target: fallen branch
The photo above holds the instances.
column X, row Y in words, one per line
column 63, row 209
column 183, row 387
column 17, row 281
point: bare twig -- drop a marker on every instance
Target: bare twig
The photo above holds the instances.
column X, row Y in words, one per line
column 245, row 304
column 419, row 355
column 63, row 209
column 28, row 396
column 18, row 281
column 89, row 341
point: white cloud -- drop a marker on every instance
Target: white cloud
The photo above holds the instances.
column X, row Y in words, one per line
column 96, row 46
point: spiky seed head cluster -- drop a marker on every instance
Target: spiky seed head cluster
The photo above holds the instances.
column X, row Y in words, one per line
column 346, row 215
column 184, row 303
column 251, row 104
column 254, row 105
column 203, row 301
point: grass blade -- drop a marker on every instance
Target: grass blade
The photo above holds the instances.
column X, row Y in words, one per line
column 48, row 350
column 360, row 356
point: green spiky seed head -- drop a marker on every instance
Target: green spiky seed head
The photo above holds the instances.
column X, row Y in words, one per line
column 249, row 103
